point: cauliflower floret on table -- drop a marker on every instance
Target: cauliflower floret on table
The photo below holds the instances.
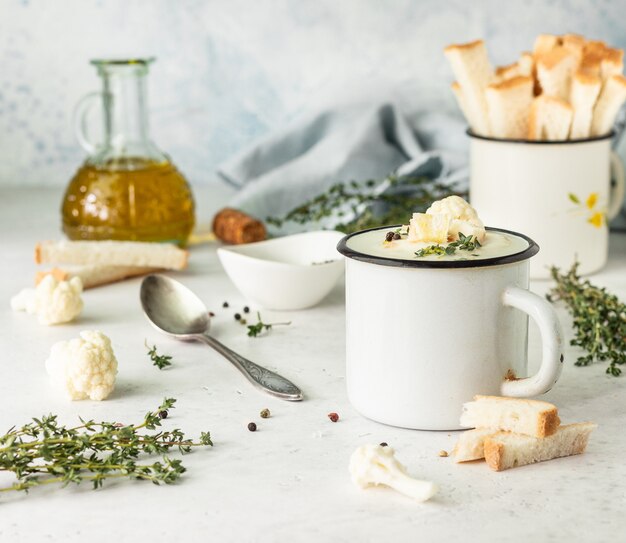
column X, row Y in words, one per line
column 373, row 465
column 54, row 302
column 83, row 367
column 464, row 217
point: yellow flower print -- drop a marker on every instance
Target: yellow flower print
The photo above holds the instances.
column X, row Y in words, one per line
column 597, row 219
column 592, row 199
column 597, row 216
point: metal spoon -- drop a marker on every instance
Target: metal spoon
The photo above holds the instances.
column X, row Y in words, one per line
column 172, row 308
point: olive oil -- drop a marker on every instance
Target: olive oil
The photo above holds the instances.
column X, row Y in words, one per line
column 129, row 199
column 127, row 189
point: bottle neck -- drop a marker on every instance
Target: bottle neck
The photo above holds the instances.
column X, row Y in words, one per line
column 125, row 112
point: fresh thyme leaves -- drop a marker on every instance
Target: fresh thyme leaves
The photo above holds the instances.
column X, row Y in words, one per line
column 464, row 243
column 599, row 319
column 44, row 452
column 158, row 360
column 371, row 206
column 257, row 329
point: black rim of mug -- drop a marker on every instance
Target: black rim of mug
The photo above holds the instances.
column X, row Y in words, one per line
column 520, row 256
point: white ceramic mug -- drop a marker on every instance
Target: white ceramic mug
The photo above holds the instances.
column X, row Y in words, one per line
column 423, row 336
column 557, row 192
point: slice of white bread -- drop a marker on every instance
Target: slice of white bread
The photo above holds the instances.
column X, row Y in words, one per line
column 526, row 64
column 611, row 98
column 508, row 106
column 95, row 275
column 554, row 71
column 531, row 417
column 544, row 43
column 585, row 91
column 612, row 63
column 473, row 72
column 460, row 100
column 550, row 119
column 573, row 43
column 471, row 444
column 505, row 450
column 502, row 73
column 112, row 253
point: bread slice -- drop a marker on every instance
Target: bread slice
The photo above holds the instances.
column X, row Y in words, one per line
column 471, row 444
column 526, row 64
column 95, row 275
column 506, row 450
column 473, row 72
column 612, row 63
column 531, row 417
column 611, row 98
column 550, row 119
column 502, row 73
column 508, row 106
column 460, row 100
column 554, row 71
column 585, row 91
column 544, row 43
column 112, row 253
column 573, row 43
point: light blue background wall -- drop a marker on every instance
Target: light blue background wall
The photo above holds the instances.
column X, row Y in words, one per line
column 230, row 71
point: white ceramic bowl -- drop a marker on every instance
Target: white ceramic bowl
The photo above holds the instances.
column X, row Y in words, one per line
column 292, row 272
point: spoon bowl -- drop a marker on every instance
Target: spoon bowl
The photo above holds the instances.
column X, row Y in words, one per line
column 175, row 310
column 172, row 308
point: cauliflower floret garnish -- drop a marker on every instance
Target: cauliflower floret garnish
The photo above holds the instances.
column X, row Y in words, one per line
column 429, row 227
column 83, row 367
column 54, row 302
column 373, row 465
column 463, row 218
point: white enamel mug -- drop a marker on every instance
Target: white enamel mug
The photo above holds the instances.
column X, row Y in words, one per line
column 424, row 336
column 557, row 192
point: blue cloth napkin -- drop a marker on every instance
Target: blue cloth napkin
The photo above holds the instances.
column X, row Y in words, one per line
column 352, row 143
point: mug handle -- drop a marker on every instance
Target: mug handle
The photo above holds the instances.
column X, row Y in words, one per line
column 80, row 121
column 544, row 315
column 616, row 197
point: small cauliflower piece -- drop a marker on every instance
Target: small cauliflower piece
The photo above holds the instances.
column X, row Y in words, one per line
column 25, row 300
column 429, row 227
column 54, row 302
column 463, row 217
column 373, row 465
column 83, row 367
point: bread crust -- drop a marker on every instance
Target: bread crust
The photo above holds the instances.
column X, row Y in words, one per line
column 548, row 422
column 464, row 46
column 493, row 454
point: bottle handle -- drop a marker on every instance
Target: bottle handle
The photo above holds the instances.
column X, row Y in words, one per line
column 616, row 195
column 83, row 107
column 544, row 315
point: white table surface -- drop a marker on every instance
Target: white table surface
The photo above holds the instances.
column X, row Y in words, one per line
column 288, row 481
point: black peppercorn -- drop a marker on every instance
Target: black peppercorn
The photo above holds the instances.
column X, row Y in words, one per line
column 384, row 444
column 396, row 236
column 163, row 414
column 225, row 304
column 237, row 316
column 252, row 426
column 211, row 314
column 246, row 309
column 389, row 236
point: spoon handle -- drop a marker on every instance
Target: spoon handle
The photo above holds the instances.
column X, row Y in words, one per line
column 262, row 378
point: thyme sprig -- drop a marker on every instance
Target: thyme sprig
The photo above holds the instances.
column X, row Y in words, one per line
column 257, row 329
column 599, row 319
column 370, row 207
column 158, row 360
column 464, row 243
column 44, row 452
